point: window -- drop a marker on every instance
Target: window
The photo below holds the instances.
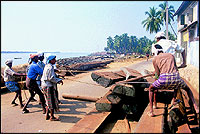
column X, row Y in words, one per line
column 182, row 19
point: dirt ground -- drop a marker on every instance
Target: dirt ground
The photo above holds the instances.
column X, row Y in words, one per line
column 71, row 111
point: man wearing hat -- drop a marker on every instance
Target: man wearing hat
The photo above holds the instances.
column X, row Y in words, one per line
column 169, row 46
column 48, row 83
column 41, row 65
column 169, row 78
column 31, row 84
column 9, row 78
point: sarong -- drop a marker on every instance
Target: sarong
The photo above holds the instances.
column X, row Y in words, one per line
column 169, row 81
column 51, row 99
column 12, row 86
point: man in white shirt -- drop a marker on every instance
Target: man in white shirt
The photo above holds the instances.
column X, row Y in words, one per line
column 49, row 80
column 169, row 46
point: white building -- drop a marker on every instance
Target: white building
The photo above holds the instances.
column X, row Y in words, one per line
column 188, row 30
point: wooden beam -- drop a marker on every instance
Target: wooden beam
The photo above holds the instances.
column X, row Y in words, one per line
column 78, row 97
column 90, row 123
column 149, row 124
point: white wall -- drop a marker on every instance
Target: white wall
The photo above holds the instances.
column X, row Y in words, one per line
column 193, row 53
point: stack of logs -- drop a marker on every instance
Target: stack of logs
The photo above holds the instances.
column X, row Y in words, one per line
column 126, row 93
column 81, row 67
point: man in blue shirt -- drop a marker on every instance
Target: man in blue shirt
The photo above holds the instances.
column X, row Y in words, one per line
column 32, row 85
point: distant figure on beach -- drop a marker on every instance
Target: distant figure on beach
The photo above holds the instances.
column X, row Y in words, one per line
column 168, row 78
column 48, row 83
column 9, row 78
column 147, row 55
column 32, row 85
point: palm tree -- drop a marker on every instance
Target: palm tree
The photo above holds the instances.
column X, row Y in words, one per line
column 153, row 21
column 171, row 11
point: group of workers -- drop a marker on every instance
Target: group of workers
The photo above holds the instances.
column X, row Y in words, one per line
column 41, row 79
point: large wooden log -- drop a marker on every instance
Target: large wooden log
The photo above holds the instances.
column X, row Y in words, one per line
column 77, row 97
column 124, row 89
column 114, row 98
column 103, row 104
column 106, row 79
column 88, row 65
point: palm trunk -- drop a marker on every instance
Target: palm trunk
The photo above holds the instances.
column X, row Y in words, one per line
column 173, row 29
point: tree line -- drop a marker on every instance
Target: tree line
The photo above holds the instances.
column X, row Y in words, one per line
column 123, row 44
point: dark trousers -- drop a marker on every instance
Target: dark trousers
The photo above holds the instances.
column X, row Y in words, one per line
column 32, row 86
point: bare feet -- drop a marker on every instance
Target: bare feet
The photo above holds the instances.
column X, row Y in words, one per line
column 14, row 104
column 54, row 119
column 150, row 114
column 21, row 106
column 47, row 117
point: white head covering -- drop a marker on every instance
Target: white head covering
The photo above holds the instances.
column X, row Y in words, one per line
column 40, row 53
column 160, row 34
column 8, row 61
column 156, row 49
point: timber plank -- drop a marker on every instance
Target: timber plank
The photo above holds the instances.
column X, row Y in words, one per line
column 149, row 124
column 90, row 123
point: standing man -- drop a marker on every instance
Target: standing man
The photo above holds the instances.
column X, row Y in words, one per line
column 31, row 83
column 169, row 46
column 49, row 81
column 9, row 78
column 165, row 67
column 41, row 65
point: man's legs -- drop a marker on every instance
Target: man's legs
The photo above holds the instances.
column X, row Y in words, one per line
column 42, row 99
column 16, row 95
column 30, row 98
column 20, row 98
column 151, row 92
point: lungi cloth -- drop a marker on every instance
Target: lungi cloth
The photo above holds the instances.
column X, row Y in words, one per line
column 51, row 99
column 12, row 86
column 169, row 81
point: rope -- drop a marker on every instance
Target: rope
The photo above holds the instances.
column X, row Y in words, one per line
column 22, row 86
column 84, row 82
column 135, row 82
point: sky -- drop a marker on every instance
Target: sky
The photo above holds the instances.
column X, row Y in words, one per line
column 72, row 26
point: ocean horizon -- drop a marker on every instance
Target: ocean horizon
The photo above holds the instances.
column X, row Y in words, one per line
column 21, row 57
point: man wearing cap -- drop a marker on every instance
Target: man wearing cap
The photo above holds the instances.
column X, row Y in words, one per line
column 41, row 65
column 165, row 67
column 48, row 82
column 33, row 72
column 9, row 78
column 169, row 46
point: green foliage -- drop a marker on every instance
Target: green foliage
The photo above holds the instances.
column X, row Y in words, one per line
column 155, row 18
column 153, row 22
column 124, row 44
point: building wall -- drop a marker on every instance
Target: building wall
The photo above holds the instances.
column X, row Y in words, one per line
column 193, row 53
column 191, row 46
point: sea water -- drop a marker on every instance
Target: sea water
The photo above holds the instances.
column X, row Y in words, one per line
column 22, row 58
